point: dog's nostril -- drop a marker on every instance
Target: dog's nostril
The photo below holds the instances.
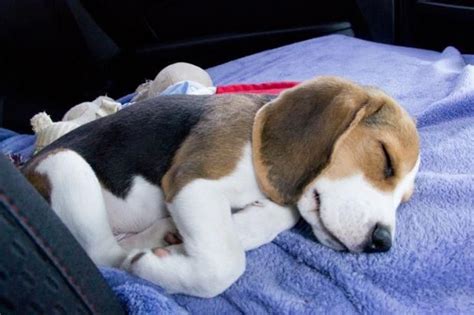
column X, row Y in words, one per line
column 381, row 240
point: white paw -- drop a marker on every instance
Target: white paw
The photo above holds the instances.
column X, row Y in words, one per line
column 133, row 256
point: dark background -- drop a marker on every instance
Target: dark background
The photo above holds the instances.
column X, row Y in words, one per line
column 57, row 53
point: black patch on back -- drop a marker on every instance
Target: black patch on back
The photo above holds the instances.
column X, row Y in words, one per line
column 138, row 140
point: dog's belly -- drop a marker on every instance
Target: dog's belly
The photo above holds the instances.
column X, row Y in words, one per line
column 143, row 205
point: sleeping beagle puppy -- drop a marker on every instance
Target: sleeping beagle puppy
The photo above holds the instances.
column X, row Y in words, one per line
column 230, row 172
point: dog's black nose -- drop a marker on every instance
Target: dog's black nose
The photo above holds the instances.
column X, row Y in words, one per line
column 381, row 240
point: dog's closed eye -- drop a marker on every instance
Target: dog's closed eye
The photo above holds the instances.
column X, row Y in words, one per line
column 388, row 171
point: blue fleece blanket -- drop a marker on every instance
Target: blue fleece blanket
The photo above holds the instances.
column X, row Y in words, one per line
column 430, row 268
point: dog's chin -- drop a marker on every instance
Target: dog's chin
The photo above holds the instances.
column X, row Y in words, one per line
column 321, row 233
column 327, row 240
column 309, row 207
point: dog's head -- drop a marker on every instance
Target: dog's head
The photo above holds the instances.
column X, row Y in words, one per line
column 344, row 154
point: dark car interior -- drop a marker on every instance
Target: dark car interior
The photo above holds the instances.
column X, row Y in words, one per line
column 59, row 53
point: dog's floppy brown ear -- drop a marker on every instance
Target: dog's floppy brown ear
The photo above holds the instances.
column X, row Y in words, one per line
column 294, row 135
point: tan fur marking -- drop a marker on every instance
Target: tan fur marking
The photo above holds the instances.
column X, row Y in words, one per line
column 361, row 150
column 215, row 144
column 259, row 165
column 39, row 181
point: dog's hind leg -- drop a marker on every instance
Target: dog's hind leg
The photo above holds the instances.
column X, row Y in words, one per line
column 77, row 199
column 211, row 257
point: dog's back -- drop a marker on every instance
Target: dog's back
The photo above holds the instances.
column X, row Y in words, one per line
column 138, row 140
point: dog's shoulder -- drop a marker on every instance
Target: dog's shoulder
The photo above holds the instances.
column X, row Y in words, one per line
column 213, row 148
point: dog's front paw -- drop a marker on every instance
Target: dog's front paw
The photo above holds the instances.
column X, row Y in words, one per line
column 132, row 258
column 135, row 255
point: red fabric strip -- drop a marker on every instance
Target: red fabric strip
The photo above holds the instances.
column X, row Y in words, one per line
column 257, row 88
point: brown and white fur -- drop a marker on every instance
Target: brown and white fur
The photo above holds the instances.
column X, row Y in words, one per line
column 340, row 155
